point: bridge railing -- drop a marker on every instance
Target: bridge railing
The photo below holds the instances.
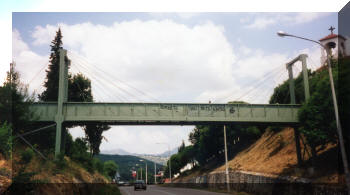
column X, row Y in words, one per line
column 160, row 113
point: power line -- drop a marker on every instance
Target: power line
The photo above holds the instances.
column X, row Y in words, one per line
column 97, row 82
column 35, row 76
column 113, row 76
column 266, row 75
column 112, row 82
column 257, row 85
column 101, row 85
column 265, row 91
column 108, row 82
column 79, row 63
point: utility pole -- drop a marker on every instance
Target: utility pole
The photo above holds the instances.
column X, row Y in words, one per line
column 169, row 163
column 141, row 172
column 155, row 178
column 339, row 129
column 169, row 159
column 146, row 172
column 226, row 165
column 335, row 104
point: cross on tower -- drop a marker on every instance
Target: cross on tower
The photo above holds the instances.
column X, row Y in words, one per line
column 331, row 29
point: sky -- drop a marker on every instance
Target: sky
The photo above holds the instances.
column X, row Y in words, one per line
column 168, row 56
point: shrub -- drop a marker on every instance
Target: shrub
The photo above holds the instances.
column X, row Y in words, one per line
column 22, row 183
column 60, row 162
column 79, row 154
column 27, row 155
column 110, row 167
column 6, row 140
column 98, row 165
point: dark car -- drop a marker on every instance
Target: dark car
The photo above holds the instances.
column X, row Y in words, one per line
column 140, row 184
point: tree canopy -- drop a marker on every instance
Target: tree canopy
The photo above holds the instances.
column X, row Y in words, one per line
column 79, row 90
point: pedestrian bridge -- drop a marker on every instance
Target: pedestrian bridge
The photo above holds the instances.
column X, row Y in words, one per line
column 63, row 111
column 167, row 113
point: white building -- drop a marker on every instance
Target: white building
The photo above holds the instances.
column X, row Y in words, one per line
column 337, row 43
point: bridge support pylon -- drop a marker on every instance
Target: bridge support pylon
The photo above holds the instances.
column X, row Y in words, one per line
column 62, row 98
column 302, row 58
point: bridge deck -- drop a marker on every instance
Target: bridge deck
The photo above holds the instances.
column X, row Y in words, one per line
column 167, row 113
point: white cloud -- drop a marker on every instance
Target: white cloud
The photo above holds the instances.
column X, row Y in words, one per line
column 29, row 64
column 170, row 60
column 261, row 23
column 144, row 139
column 263, row 20
column 140, row 139
column 173, row 62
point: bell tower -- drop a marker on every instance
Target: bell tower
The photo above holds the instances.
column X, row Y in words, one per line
column 336, row 42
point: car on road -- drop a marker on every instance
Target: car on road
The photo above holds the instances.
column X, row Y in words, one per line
column 140, row 184
column 121, row 183
column 126, row 183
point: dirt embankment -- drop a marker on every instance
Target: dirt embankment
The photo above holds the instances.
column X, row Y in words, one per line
column 48, row 177
column 275, row 154
column 5, row 173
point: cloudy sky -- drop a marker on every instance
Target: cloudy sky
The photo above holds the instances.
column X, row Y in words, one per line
column 167, row 57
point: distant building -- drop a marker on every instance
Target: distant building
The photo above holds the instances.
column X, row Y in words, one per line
column 337, row 41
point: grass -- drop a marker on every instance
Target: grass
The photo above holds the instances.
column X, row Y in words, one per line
column 5, row 172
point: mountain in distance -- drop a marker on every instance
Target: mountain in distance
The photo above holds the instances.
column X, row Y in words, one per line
column 161, row 158
column 120, row 151
column 166, row 153
column 127, row 163
column 117, row 151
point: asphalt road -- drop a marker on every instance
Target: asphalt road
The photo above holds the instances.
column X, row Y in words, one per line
column 155, row 190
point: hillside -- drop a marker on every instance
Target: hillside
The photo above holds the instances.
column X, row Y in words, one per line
column 275, row 154
column 5, row 173
column 127, row 162
column 41, row 176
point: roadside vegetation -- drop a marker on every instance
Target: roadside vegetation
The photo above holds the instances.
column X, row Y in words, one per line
column 28, row 161
column 317, row 128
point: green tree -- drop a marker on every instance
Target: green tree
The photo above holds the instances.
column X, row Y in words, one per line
column 110, row 168
column 182, row 146
column 14, row 102
column 281, row 93
column 6, row 140
column 94, row 136
column 79, row 90
column 316, row 116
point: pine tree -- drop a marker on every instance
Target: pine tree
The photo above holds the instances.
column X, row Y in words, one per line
column 52, row 76
column 79, row 90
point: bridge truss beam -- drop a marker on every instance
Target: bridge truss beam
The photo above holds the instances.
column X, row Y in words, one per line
column 167, row 113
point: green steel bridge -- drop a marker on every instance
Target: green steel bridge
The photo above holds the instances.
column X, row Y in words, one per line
column 167, row 113
column 63, row 111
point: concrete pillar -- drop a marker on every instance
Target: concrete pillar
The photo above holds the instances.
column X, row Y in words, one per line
column 305, row 76
column 62, row 97
column 292, row 99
